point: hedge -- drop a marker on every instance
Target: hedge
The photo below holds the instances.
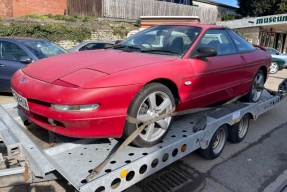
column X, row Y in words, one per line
column 54, row 32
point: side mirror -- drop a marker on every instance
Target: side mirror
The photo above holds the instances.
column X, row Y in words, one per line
column 205, row 52
column 25, row 59
column 277, row 53
column 118, row 41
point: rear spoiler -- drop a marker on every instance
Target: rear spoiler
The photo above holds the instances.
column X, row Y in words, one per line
column 260, row 47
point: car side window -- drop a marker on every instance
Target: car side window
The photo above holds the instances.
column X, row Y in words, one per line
column 219, row 40
column 92, row 46
column 241, row 44
column 10, row 51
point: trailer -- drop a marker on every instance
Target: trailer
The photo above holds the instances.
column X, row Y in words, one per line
column 78, row 160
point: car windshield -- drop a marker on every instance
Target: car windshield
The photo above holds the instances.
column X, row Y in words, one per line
column 43, row 49
column 167, row 40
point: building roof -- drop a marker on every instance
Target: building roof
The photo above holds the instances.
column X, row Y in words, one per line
column 216, row 3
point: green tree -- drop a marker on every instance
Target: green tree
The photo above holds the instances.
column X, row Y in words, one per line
column 281, row 6
column 255, row 8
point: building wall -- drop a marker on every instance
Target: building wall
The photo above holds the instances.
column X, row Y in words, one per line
column 251, row 34
column 6, row 8
column 17, row 8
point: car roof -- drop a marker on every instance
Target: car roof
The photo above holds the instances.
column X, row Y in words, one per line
column 97, row 41
column 204, row 26
column 21, row 39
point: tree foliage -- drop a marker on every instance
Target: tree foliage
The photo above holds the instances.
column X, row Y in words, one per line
column 255, row 8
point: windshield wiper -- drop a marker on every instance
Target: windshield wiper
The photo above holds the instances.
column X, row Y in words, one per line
column 127, row 48
column 161, row 51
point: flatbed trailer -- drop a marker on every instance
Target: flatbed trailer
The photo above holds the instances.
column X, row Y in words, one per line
column 75, row 159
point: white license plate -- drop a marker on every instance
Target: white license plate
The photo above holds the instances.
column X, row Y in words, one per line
column 20, row 99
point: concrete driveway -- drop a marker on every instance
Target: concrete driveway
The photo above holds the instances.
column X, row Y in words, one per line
column 258, row 163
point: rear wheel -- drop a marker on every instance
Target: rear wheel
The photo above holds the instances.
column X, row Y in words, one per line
column 153, row 100
column 255, row 93
column 216, row 144
column 274, row 67
column 238, row 131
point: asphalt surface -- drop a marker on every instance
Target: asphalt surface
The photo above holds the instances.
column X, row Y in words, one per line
column 258, row 163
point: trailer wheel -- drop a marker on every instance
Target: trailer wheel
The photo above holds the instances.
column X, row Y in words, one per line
column 216, row 144
column 238, row 131
column 153, row 100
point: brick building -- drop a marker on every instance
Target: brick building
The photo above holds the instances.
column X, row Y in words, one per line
column 17, row 8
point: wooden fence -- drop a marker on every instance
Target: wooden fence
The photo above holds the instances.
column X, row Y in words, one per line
column 133, row 9
column 85, row 7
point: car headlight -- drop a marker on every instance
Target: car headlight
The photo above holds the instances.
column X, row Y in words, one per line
column 75, row 108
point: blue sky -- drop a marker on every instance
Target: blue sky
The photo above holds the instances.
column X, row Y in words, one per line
column 228, row 2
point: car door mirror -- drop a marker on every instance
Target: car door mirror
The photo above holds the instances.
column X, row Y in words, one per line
column 205, row 51
column 118, row 41
column 277, row 53
column 25, row 59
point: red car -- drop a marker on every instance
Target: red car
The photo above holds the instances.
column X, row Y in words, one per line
column 89, row 94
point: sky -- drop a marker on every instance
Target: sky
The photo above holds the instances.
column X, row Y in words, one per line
column 228, row 2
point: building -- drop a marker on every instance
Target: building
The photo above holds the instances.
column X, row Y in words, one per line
column 17, row 8
column 219, row 7
column 268, row 31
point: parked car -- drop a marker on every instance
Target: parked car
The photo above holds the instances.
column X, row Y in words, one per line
column 276, row 65
column 91, row 45
column 89, row 94
column 276, row 54
column 18, row 52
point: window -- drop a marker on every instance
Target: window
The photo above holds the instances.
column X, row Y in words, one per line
column 173, row 39
column 241, row 44
column 10, row 51
column 219, row 40
column 92, row 46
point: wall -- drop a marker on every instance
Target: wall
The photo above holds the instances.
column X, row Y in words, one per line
column 6, row 8
column 17, row 8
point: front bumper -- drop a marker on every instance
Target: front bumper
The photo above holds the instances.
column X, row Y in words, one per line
column 106, row 121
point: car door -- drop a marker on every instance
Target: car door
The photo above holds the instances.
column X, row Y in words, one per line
column 219, row 77
column 10, row 54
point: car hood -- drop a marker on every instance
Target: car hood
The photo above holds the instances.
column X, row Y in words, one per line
column 103, row 61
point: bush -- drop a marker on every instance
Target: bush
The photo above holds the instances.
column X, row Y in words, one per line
column 52, row 32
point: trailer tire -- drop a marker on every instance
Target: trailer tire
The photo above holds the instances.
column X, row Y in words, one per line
column 152, row 100
column 238, row 131
column 216, row 144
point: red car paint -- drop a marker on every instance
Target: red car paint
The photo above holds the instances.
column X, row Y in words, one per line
column 112, row 78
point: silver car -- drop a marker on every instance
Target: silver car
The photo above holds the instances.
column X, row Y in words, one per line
column 16, row 52
column 276, row 54
column 91, row 45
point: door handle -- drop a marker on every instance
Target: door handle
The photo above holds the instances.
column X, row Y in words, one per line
column 1, row 65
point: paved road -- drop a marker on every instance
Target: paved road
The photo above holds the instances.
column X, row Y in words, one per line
column 258, row 163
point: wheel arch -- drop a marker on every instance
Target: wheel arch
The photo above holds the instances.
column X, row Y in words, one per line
column 264, row 69
column 169, row 84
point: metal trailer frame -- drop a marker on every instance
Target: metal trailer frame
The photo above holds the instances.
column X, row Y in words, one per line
column 74, row 159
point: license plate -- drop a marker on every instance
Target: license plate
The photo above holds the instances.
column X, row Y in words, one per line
column 22, row 101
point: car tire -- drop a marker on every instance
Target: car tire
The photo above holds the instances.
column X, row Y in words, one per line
column 153, row 100
column 254, row 94
column 274, row 67
column 216, row 144
column 238, row 131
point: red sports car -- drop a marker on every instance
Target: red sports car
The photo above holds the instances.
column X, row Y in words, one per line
column 89, row 94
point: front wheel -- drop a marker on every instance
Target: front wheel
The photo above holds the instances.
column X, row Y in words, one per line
column 256, row 89
column 153, row 100
column 274, row 67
